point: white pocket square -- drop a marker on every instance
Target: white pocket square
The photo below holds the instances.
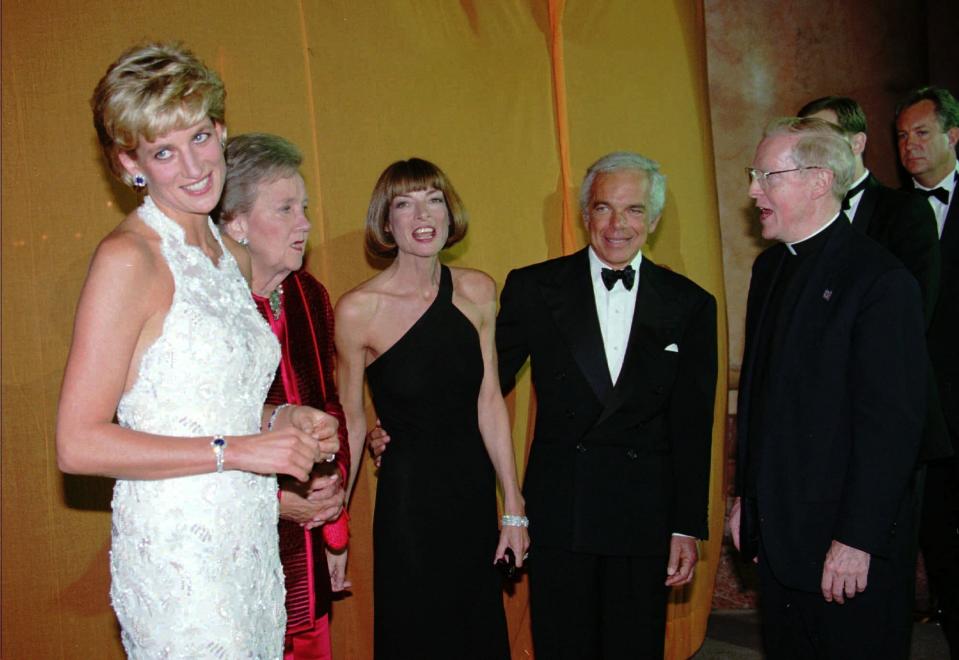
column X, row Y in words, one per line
column 672, row 348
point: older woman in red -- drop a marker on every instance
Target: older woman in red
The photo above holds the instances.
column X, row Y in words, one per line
column 264, row 208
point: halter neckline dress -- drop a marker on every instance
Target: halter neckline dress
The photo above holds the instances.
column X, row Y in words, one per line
column 194, row 560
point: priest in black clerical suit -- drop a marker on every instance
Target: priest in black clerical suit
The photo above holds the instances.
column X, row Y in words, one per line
column 616, row 485
column 831, row 408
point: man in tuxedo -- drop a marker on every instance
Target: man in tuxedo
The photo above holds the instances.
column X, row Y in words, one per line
column 623, row 356
column 624, row 359
column 927, row 130
column 898, row 220
column 831, row 409
column 902, row 222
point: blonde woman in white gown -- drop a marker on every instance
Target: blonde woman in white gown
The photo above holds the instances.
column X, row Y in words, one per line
column 167, row 339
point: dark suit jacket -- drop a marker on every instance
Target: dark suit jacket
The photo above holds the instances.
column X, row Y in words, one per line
column 843, row 405
column 903, row 223
column 613, row 470
column 944, row 329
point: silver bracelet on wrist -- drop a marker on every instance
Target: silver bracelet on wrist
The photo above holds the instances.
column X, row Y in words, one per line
column 219, row 445
column 515, row 521
column 276, row 411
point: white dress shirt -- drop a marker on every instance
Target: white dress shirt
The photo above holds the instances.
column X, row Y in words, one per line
column 941, row 210
column 614, row 308
column 855, row 199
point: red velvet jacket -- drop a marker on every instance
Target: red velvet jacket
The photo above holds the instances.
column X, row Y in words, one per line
column 305, row 376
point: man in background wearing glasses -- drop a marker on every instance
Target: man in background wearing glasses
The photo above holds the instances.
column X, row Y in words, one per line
column 831, row 409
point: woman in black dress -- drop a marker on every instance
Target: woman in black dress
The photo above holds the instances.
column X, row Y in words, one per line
column 423, row 335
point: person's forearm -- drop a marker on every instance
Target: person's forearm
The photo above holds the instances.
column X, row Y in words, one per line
column 110, row 450
column 495, row 430
column 356, row 432
column 344, row 456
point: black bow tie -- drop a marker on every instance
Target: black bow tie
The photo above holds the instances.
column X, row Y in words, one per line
column 627, row 275
column 939, row 193
column 855, row 190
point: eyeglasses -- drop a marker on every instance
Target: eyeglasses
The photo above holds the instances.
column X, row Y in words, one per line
column 762, row 178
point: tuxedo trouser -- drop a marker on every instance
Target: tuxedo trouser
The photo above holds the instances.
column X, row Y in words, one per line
column 939, row 540
column 875, row 624
column 591, row 607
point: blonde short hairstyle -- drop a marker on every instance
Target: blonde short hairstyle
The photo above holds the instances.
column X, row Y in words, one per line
column 402, row 177
column 149, row 91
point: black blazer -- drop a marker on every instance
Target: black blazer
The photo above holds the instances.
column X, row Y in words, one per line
column 903, row 223
column 613, row 469
column 843, row 406
column 944, row 330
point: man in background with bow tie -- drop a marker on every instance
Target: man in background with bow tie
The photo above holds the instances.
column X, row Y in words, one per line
column 927, row 130
column 624, row 357
column 903, row 223
column 831, row 406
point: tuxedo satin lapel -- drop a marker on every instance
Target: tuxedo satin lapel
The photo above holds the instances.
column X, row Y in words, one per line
column 651, row 312
column 569, row 298
column 867, row 205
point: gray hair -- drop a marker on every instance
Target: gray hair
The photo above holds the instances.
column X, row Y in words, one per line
column 626, row 160
column 821, row 144
column 251, row 159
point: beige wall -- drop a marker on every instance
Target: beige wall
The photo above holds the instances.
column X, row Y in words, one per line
column 356, row 84
column 767, row 60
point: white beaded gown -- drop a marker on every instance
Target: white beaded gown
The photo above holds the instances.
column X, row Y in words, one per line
column 195, row 560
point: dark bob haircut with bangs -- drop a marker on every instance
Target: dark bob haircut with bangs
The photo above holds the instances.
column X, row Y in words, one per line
column 402, row 177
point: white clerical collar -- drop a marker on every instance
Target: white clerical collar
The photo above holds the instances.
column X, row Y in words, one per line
column 596, row 264
column 792, row 250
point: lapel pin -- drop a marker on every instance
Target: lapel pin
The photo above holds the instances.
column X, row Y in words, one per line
column 827, row 294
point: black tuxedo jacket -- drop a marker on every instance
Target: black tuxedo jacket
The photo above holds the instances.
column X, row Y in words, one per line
column 944, row 329
column 903, row 223
column 843, row 405
column 613, row 469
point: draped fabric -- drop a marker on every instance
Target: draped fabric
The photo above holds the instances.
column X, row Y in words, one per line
column 305, row 376
column 512, row 98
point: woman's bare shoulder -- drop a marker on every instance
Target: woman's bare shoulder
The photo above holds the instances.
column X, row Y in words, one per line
column 358, row 306
column 131, row 249
column 128, row 276
column 474, row 285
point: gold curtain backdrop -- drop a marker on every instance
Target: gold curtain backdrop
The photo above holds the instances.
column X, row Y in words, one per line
column 513, row 98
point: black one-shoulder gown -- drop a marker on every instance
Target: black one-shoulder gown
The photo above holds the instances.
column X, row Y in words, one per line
column 436, row 591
